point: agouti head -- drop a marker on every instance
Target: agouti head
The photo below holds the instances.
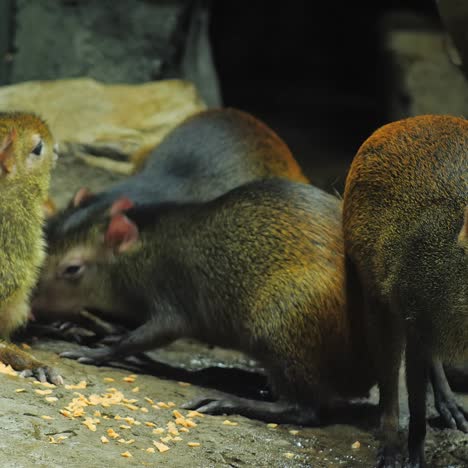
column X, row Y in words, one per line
column 27, row 152
column 76, row 272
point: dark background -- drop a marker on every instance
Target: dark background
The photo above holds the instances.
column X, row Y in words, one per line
column 314, row 71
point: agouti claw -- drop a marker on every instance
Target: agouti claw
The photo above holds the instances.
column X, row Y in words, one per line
column 452, row 414
column 210, row 405
column 87, row 355
column 44, row 374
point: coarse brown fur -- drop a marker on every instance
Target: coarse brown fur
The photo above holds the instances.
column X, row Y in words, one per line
column 403, row 217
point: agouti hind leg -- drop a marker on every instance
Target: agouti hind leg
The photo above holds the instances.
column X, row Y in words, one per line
column 385, row 338
column 417, row 378
column 282, row 412
column 446, row 404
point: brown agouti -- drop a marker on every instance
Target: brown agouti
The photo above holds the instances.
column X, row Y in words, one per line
column 26, row 158
column 405, row 221
column 205, row 156
column 259, row 269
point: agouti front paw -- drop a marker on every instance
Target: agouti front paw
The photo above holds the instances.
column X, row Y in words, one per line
column 453, row 415
column 85, row 355
column 44, row 374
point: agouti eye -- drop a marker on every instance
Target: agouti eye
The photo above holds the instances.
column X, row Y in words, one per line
column 72, row 271
column 38, row 149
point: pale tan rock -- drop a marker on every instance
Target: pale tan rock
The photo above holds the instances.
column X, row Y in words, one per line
column 105, row 124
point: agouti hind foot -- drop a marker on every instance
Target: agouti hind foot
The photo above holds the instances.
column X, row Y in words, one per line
column 389, row 457
column 282, row 412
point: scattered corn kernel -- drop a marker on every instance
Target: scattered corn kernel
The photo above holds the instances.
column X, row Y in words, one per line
column 161, row 404
column 195, row 414
column 184, row 384
column 20, row 390
column 112, row 434
column 124, row 426
column 193, row 444
column 108, row 379
column 44, row 384
column 47, row 417
column 159, row 430
column 171, row 404
column 51, row 399
column 272, row 425
column 43, row 392
column 293, row 432
column 66, row 413
column 135, row 389
column 79, row 386
column 226, row 422
column 25, row 346
column 126, row 454
column 356, row 445
column 144, row 410
column 130, row 378
column 90, row 424
column 289, row 455
column 150, row 424
column 149, row 400
column 150, row 450
column 104, row 440
column 160, row 446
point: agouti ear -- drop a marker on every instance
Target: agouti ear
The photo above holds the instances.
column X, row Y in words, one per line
column 121, row 205
column 463, row 236
column 121, row 233
column 80, row 196
column 6, row 151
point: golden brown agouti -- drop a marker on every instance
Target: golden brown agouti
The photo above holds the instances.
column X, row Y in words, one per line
column 205, row 156
column 405, row 220
column 26, row 159
column 259, row 269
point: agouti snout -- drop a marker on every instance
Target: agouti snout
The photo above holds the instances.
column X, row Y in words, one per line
column 259, row 269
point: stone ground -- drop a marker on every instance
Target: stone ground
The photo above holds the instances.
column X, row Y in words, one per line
column 36, row 433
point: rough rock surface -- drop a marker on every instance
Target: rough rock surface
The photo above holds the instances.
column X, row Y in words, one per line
column 101, row 123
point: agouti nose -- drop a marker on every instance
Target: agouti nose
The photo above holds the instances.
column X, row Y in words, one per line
column 6, row 152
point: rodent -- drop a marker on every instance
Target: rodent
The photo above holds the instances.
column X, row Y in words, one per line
column 405, row 227
column 259, row 269
column 206, row 155
column 26, row 159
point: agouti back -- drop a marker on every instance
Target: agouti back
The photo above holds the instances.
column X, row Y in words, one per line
column 259, row 269
column 406, row 233
column 205, row 156
column 26, row 159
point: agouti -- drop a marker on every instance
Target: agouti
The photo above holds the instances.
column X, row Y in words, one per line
column 202, row 158
column 259, row 269
column 26, row 159
column 405, row 220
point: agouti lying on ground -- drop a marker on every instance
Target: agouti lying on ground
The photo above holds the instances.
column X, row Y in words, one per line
column 205, row 156
column 259, row 269
column 405, row 221
column 26, row 159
